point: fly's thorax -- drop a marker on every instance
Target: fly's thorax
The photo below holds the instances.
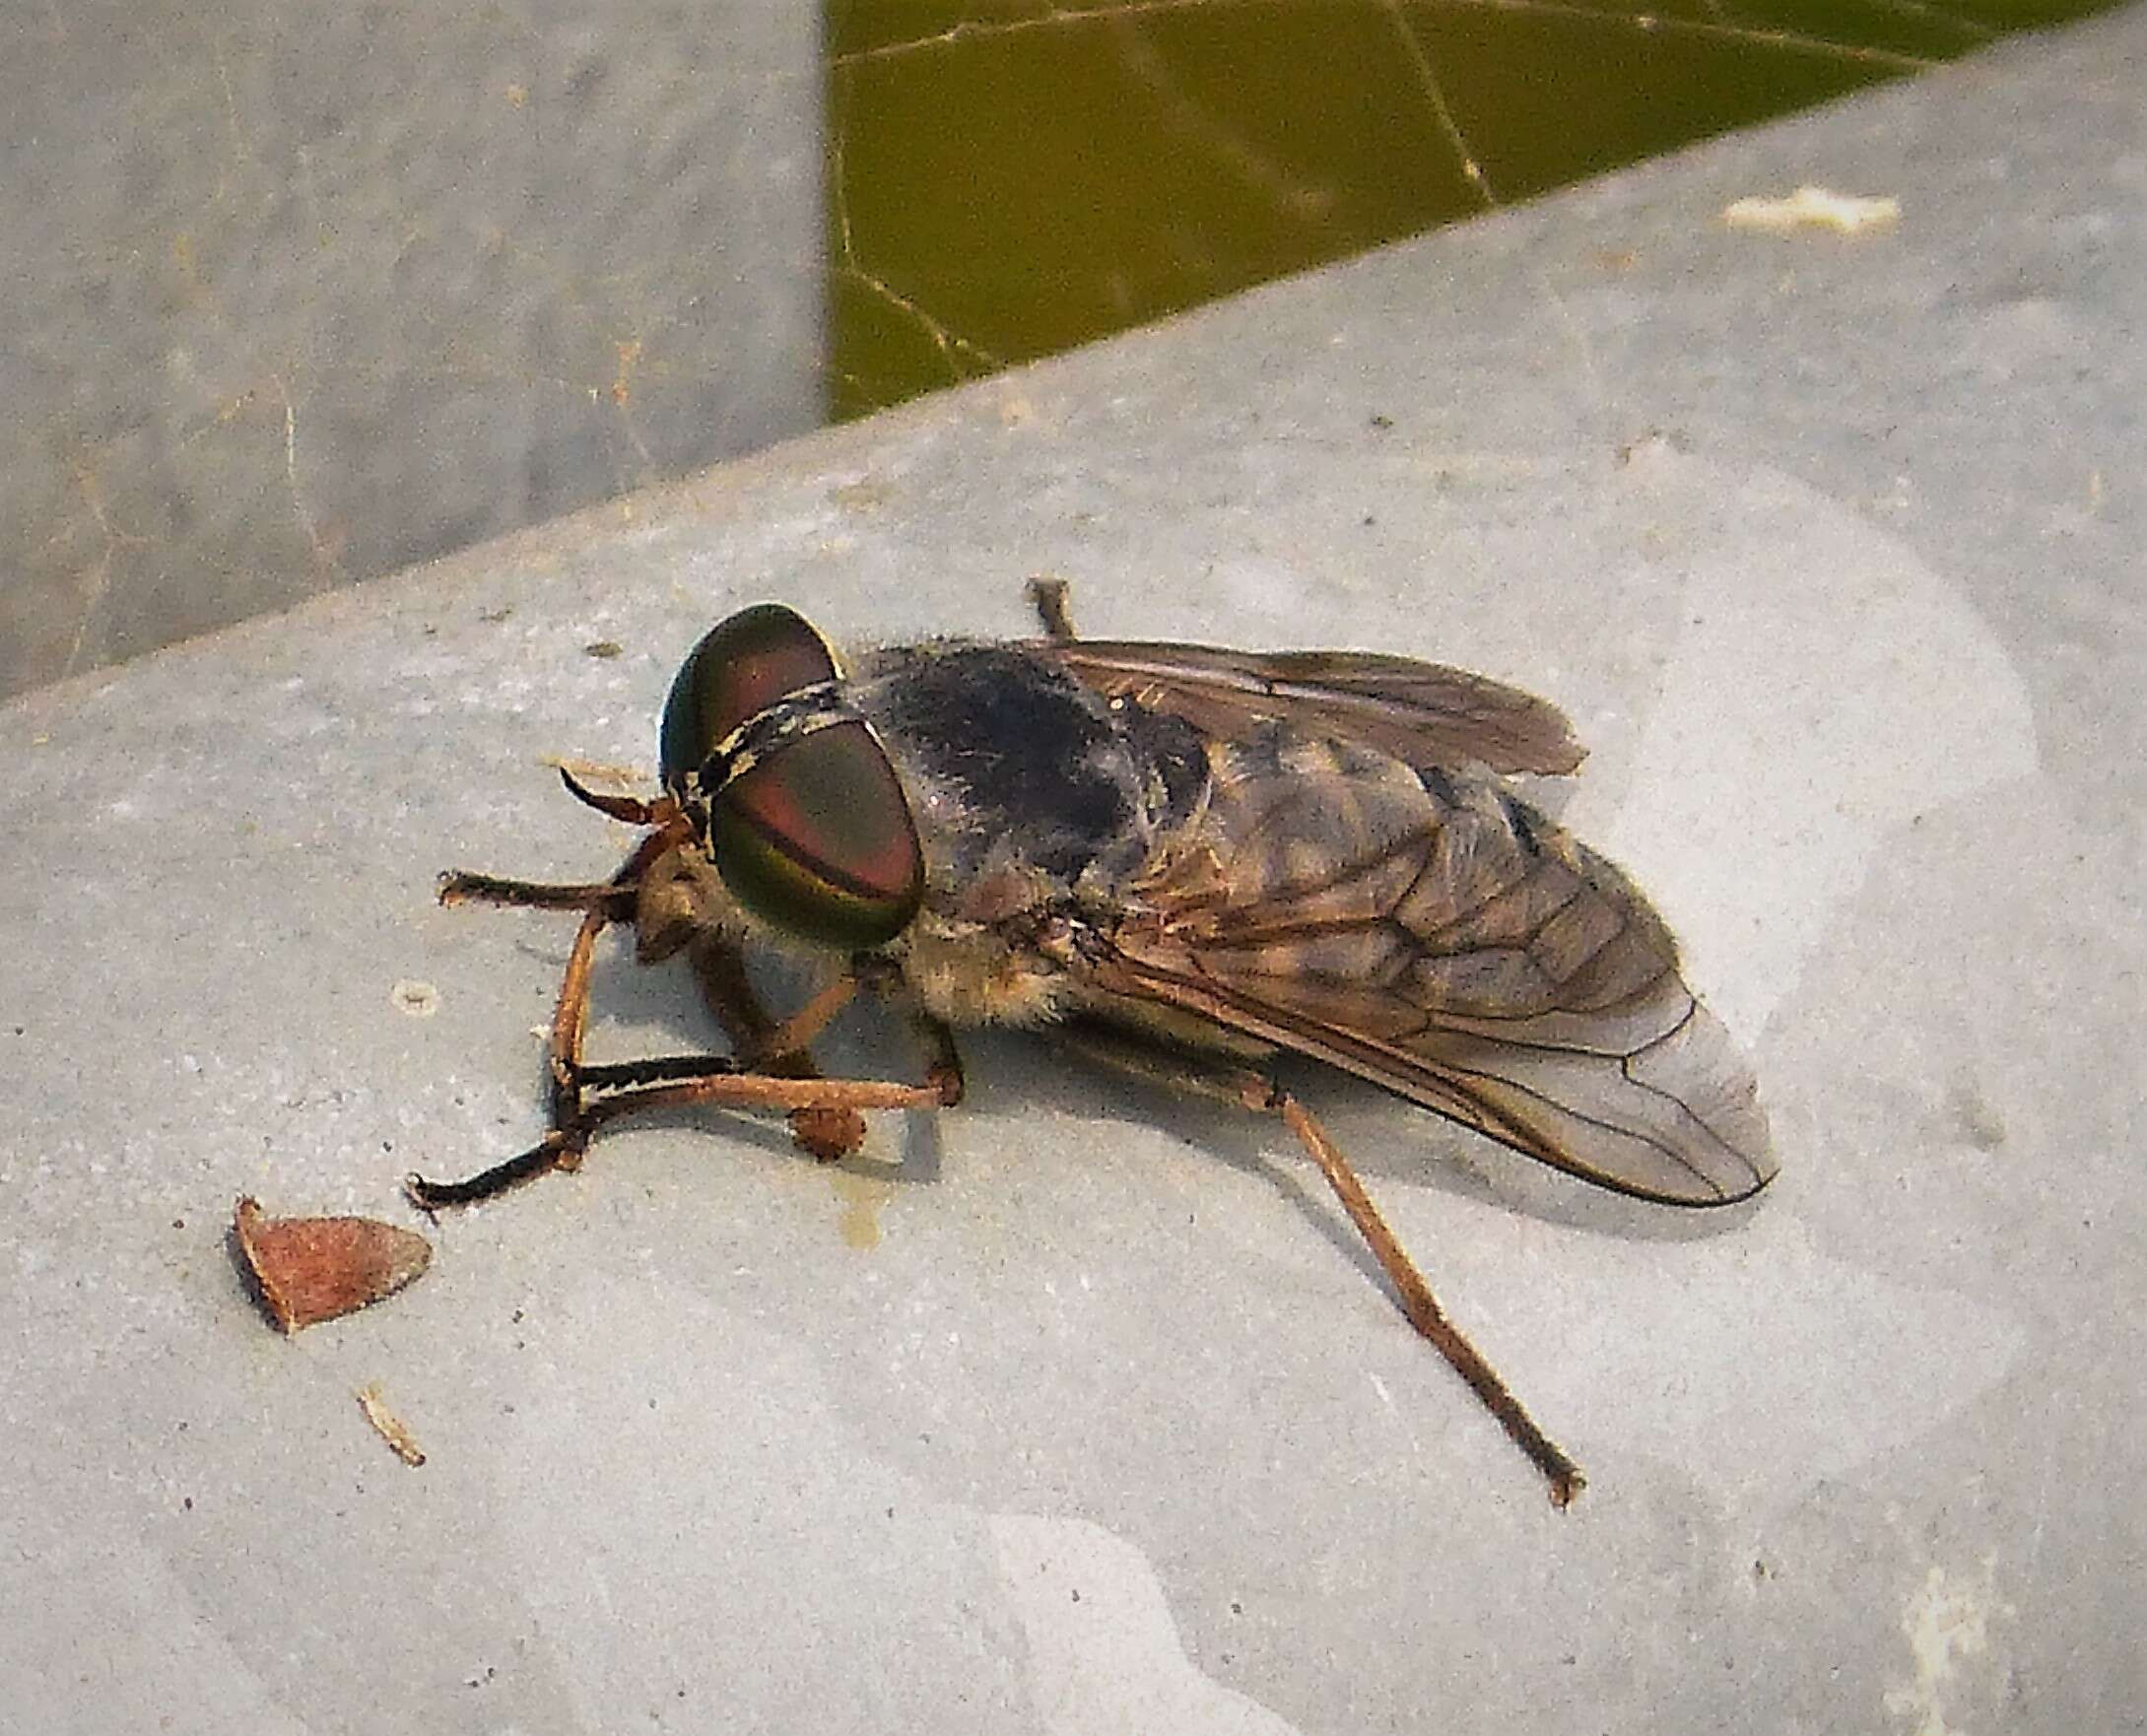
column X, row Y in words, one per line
column 1020, row 776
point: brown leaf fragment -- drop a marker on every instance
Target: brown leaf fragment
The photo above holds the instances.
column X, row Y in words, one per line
column 388, row 1425
column 313, row 1269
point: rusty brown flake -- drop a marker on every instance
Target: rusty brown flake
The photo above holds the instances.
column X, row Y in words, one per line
column 313, row 1269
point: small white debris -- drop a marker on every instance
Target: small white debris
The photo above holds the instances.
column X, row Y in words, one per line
column 1846, row 214
column 389, row 1426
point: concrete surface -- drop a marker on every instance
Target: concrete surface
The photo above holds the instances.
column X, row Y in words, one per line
column 1076, row 1409
column 301, row 296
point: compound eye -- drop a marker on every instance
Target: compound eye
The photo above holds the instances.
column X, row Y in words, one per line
column 741, row 666
column 818, row 839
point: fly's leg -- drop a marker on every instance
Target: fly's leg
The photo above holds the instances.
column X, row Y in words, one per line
column 563, row 1143
column 590, row 1098
column 781, row 1049
column 614, row 895
column 660, row 1081
column 459, row 887
column 634, row 1087
column 608, row 1092
column 601, row 905
column 828, row 1131
column 773, row 1068
column 943, row 1071
column 1417, row 1299
column 1253, row 1091
column 1048, row 595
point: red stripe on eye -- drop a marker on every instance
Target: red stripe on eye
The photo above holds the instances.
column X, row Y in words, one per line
column 833, row 805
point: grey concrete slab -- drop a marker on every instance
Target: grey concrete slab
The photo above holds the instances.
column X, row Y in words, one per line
column 298, row 297
column 1077, row 1409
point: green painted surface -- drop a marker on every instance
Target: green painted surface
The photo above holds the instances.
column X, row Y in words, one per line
column 1007, row 179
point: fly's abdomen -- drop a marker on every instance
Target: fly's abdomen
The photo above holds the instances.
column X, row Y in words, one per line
column 1432, row 932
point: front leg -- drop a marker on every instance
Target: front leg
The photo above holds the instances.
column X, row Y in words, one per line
column 617, row 896
column 590, row 1097
column 681, row 906
column 607, row 1093
column 779, row 1049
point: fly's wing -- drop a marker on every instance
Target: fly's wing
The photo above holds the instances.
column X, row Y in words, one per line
column 1422, row 714
column 1441, row 939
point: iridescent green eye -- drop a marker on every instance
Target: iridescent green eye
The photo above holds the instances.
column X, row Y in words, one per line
column 807, row 821
column 818, row 839
column 740, row 667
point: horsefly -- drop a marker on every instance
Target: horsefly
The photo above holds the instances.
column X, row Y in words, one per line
column 1186, row 860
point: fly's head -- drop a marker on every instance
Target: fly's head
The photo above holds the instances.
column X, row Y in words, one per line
column 790, row 793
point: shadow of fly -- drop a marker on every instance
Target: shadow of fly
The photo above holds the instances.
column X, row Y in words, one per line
column 1184, row 860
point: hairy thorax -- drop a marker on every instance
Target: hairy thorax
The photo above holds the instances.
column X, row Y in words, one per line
column 1036, row 803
